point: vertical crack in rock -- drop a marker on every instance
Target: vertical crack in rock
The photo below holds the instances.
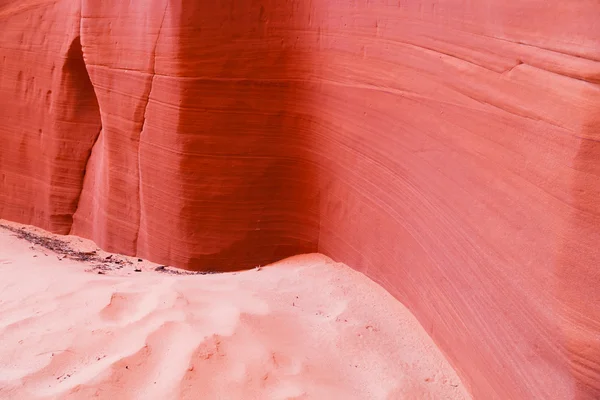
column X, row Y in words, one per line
column 147, row 99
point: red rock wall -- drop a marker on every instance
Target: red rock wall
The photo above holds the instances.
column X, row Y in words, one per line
column 201, row 163
column 460, row 147
column 203, row 159
column 447, row 149
column 49, row 114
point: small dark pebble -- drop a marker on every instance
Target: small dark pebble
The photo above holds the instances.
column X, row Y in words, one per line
column 126, row 367
column 137, row 270
column 100, row 273
column 108, row 257
column 161, row 268
column 140, row 260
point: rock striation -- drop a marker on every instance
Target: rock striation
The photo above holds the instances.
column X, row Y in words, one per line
column 447, row 149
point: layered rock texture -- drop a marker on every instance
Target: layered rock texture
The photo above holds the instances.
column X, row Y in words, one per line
column 450, row 150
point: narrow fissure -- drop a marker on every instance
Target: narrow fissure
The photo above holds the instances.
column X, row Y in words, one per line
column 147, row 99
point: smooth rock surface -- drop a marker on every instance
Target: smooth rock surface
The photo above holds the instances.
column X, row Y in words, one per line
column 447, row 149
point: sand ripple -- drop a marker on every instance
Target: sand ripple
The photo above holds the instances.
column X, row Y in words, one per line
column 307, row 328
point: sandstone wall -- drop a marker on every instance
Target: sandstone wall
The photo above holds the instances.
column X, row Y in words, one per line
column 448, row 149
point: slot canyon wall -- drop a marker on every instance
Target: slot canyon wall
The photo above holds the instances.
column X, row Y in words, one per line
column 448, row 149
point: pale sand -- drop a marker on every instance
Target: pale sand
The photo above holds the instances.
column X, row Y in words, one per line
column 304, row 328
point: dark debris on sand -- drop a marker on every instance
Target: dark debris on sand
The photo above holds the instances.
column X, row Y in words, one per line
column 65, row 250
column 172, row 271
column 103, row 263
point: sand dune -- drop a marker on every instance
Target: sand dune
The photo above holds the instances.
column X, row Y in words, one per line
column 304, row 328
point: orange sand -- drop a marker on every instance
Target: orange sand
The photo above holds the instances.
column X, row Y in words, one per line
column 304, row 328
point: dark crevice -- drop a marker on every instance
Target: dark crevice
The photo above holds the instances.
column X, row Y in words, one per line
column 79, row 98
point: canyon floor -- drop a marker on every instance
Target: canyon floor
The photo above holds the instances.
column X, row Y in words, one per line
column 80, row 323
